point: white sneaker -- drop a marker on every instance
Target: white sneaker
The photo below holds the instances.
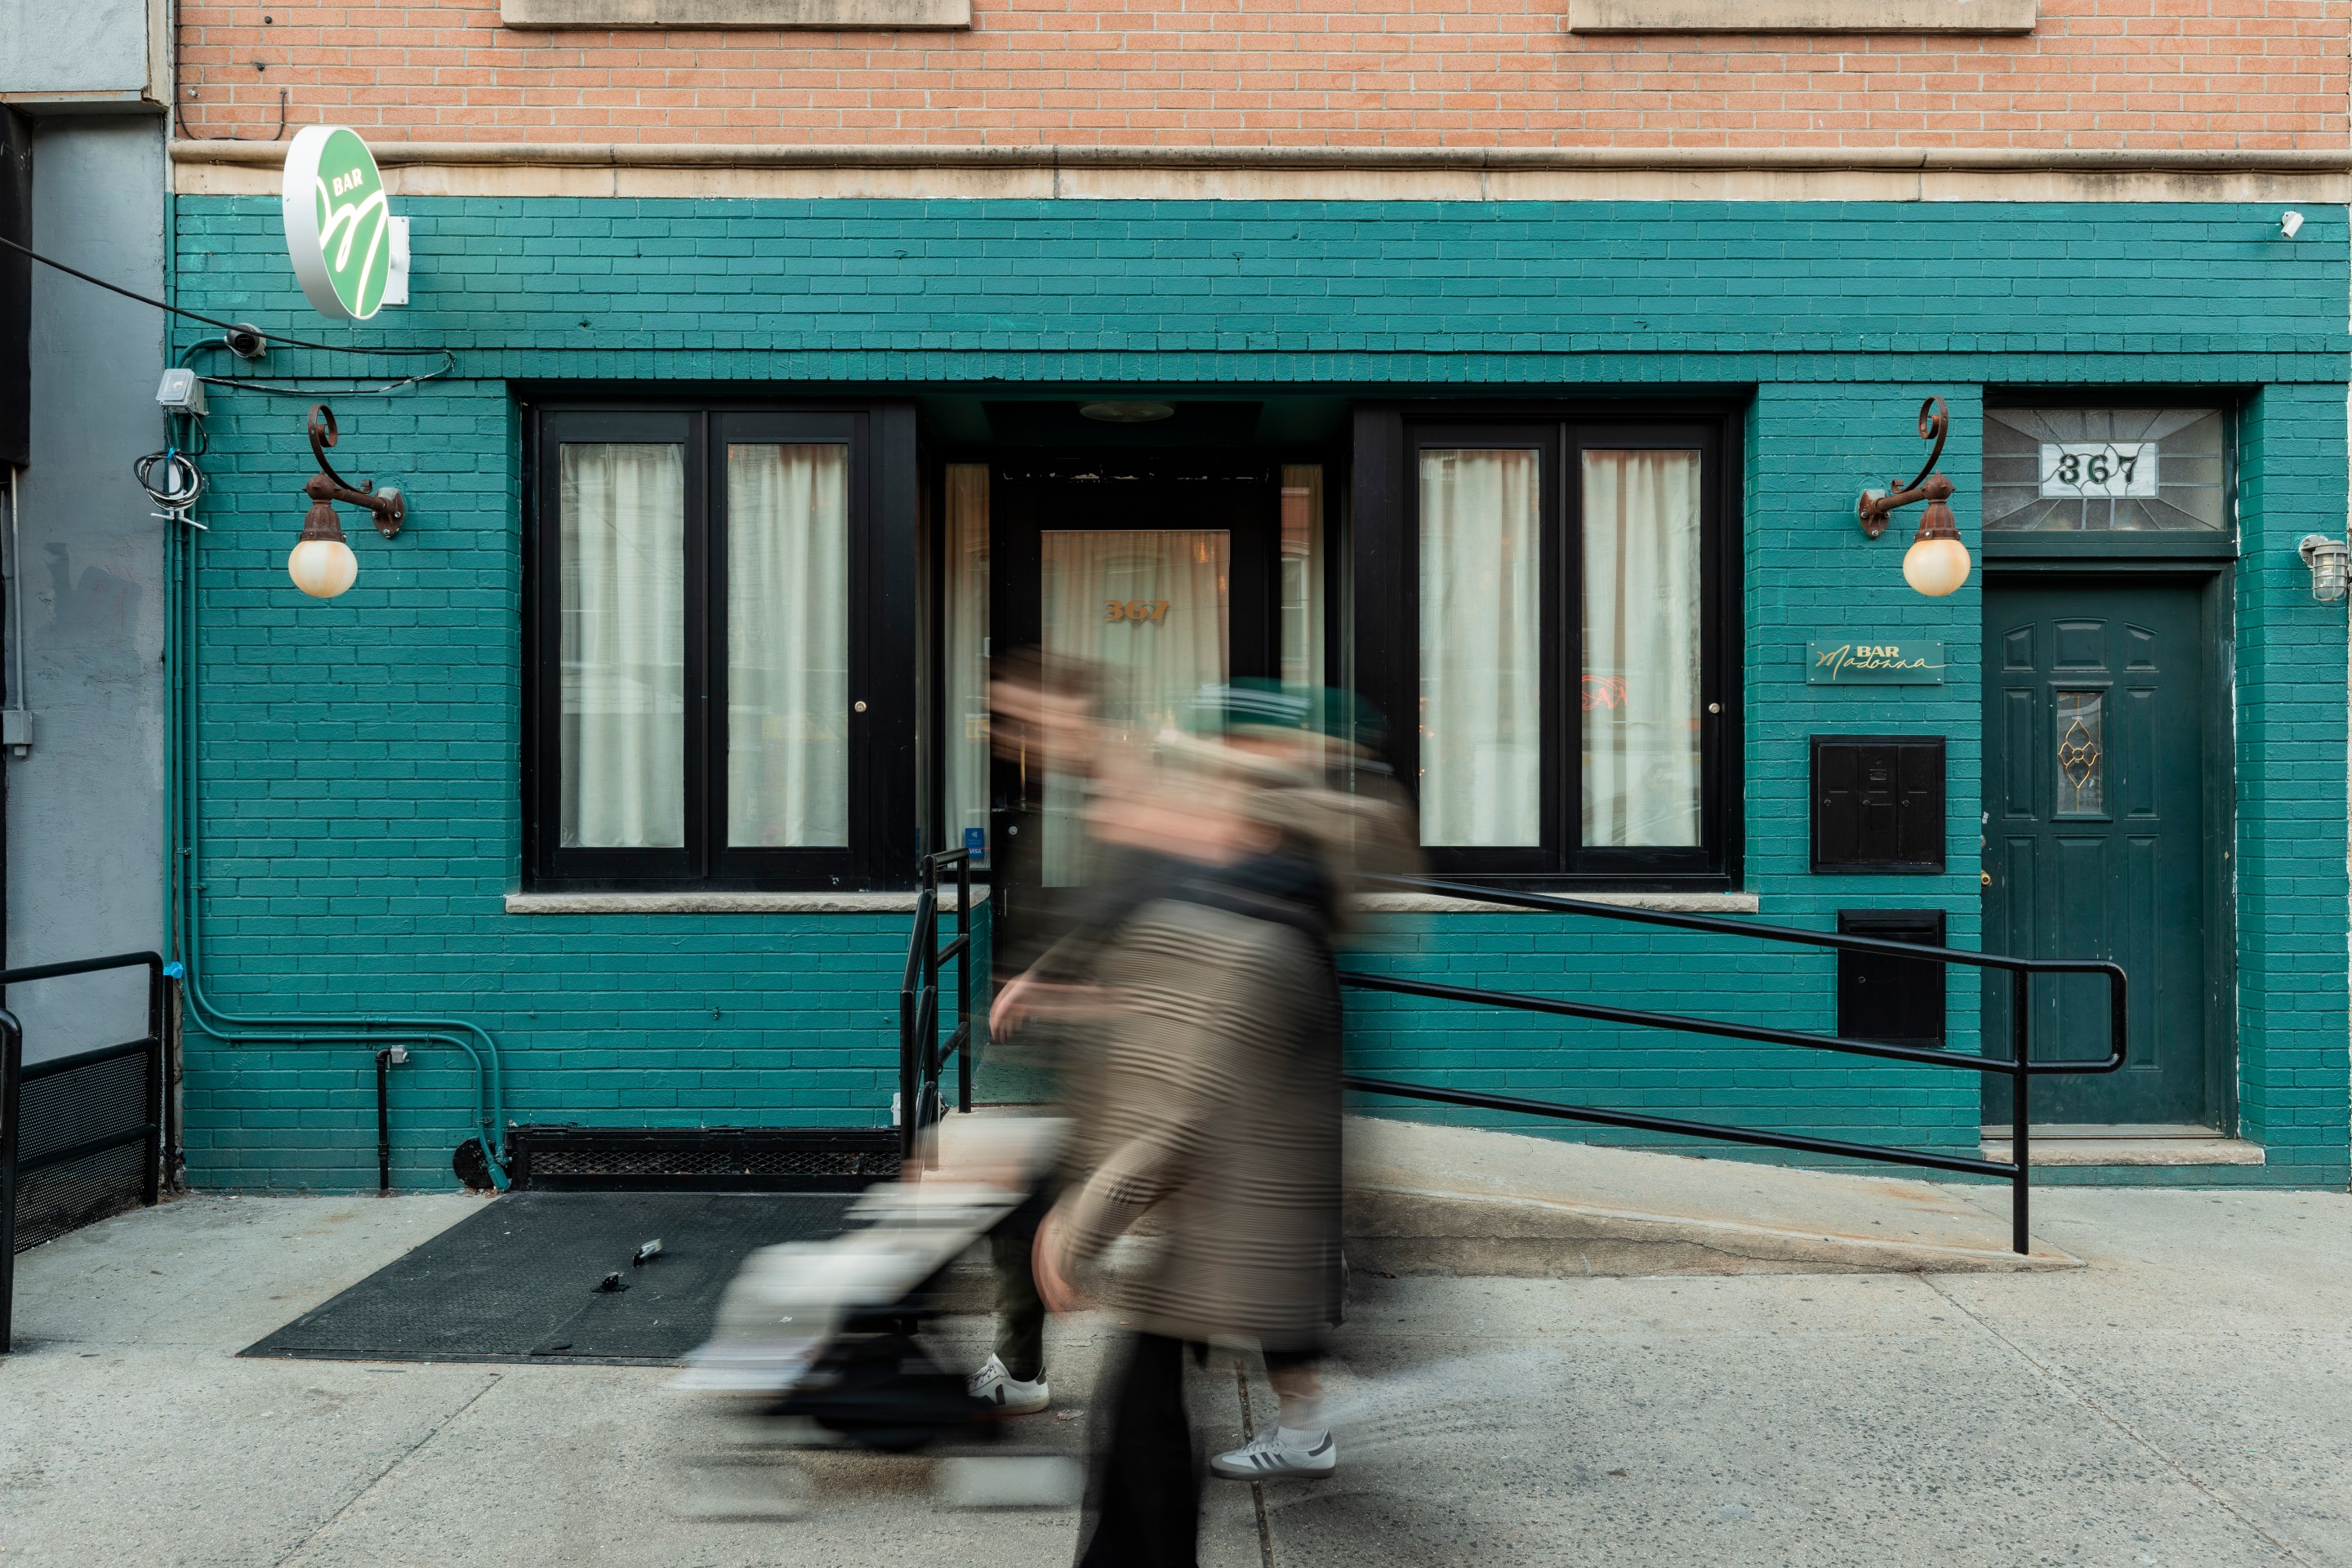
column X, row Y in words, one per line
column 1009, row 1394
column 1267, row 1455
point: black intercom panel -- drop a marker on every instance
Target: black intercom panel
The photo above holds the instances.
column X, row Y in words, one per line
column 1878, row 804
column 1893, row 1001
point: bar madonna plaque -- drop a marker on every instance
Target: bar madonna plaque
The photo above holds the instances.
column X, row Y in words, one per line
column 1874, row 661
column 338, row 225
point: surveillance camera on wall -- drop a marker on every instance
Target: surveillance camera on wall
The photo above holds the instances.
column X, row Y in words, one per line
column 2290, row 222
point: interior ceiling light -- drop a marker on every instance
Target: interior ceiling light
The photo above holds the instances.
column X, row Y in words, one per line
column 1127, row 412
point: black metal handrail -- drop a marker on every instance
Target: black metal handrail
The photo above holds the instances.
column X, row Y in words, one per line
column 2019, row 1066
column 15, row 1075
column 923, row 1055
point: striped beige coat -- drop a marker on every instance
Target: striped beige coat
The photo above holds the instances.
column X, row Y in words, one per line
column 1214, row 1107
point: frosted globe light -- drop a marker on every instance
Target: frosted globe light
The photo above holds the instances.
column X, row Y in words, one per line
column 1936, row 566
column 323, row 568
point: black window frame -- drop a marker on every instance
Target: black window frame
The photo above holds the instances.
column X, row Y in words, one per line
column 881, row 625
column 1387, row 578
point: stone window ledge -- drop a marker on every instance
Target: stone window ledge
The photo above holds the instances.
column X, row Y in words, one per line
column 1671, row 903
column 727, row 903
column 2143, row 1152
column 904, row 903
column 840, row 14
column 1799, row 15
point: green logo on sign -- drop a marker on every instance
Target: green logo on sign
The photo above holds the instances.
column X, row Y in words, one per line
column 337, row 226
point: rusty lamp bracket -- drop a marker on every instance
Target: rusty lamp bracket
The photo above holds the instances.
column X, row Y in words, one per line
column 1877, row 506
column 326, row 487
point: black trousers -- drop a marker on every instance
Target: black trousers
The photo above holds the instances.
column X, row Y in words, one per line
column 1143, row 1499
column 1020, row 1313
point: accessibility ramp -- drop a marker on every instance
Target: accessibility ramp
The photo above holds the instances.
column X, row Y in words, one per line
column 1425, row 1198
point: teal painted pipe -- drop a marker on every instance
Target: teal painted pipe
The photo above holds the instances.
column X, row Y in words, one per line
column 183, row 786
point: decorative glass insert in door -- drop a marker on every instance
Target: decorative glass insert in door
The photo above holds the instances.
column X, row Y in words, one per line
column 1640, row 686
column 1149, row 609
column 2105, row 470
column 787, row 645
column 1481, row 654
column 2079, row 726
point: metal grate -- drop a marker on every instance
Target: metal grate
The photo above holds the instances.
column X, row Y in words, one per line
column 98, row 1098
column 712, row 1159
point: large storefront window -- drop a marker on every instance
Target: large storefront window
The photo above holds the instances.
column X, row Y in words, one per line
column 693, row 599
column 1561, row 706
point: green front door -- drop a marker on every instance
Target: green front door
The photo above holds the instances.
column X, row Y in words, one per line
column 2097, row 823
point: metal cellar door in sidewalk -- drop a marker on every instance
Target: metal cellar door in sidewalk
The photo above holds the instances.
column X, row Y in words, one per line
column 2098, row 801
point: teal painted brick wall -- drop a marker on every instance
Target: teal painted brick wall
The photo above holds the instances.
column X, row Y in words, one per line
column 360, row 755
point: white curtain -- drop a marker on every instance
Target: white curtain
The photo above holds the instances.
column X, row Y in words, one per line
column 1481, row 720
column 1148, row 607
column 1640, row 681
column 966, row 635
column 787, row 645
column 1302, row 574
column 621, row 541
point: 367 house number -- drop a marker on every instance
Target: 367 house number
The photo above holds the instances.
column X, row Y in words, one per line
column 1135, row 610
column 2097, row 471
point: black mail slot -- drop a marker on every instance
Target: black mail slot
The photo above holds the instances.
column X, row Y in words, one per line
column 1893, row 1001
column 1878, row 804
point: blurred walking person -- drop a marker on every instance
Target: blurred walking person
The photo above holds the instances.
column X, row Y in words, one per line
column 1215, row 1106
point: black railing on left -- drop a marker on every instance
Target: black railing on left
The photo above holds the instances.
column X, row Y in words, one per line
column 60, row 1138
column 923, row 1055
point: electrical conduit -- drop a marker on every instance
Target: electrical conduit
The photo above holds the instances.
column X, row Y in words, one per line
column 187, row 849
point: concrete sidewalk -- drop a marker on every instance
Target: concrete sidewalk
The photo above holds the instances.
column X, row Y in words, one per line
column 2186, row 1397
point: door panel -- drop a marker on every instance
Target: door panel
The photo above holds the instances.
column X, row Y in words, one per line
column 2095, row 835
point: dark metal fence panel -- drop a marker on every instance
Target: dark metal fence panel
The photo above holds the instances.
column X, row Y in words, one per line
column 81, row 1137
column 922, row 1052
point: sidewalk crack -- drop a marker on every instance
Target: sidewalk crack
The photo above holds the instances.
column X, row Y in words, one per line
column 2082, row 1397
column 378, row 1479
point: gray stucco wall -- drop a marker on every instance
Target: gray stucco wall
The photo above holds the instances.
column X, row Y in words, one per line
column 85, row 808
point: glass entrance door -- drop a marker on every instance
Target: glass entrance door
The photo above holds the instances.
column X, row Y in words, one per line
column 1149, row 609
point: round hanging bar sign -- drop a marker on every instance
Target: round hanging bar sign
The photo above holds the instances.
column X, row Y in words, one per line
column 338, row 225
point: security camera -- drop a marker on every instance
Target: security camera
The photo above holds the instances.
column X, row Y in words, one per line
column 245, row 341
column 2290, row 222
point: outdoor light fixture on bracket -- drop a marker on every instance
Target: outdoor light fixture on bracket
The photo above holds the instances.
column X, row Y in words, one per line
column 322, row 564
column 2327, row 559
column 1938, row 563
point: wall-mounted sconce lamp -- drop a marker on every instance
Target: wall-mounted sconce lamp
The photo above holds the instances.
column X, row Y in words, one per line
column 2327, row 559
column 321, row 564
column 1938, row 563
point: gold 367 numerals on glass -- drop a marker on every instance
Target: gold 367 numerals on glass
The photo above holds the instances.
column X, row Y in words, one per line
column 1135, row 610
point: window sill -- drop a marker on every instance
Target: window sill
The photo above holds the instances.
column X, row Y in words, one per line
column 1671, row 903
column 726, row 903
column 843, row 15
column 1980, row 16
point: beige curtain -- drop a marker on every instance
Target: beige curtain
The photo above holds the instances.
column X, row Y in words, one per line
column 966, row 635
column 1481, row 721
column 1640, row 684
column 1147, row 608
column 621, row 539
column 787, row 645
column 1302, row 574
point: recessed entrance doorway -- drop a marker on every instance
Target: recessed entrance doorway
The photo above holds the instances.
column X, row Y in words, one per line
column 2105, row 823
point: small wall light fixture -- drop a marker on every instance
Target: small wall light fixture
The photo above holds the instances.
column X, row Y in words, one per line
column 1938, row 563
column 322, row 564
column 2327, row 559
column 2290, row 222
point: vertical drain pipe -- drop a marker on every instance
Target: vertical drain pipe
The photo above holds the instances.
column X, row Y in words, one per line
column 385, row 1059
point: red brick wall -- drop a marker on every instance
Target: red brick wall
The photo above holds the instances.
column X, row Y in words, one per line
column 2097, row 73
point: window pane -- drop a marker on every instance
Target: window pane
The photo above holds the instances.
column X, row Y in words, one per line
column 2104, row 469
column 966, row 635
column 1302, row 573
column 787, row 646
column 1150, row 608
column 621, row 538
column 1481, row 730
column 1640, row 693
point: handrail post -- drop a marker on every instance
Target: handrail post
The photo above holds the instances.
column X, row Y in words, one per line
column 152, row 1187
column 963, row 985
column 907, row 1075
column 2020, row 1003
column 12, row 1075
